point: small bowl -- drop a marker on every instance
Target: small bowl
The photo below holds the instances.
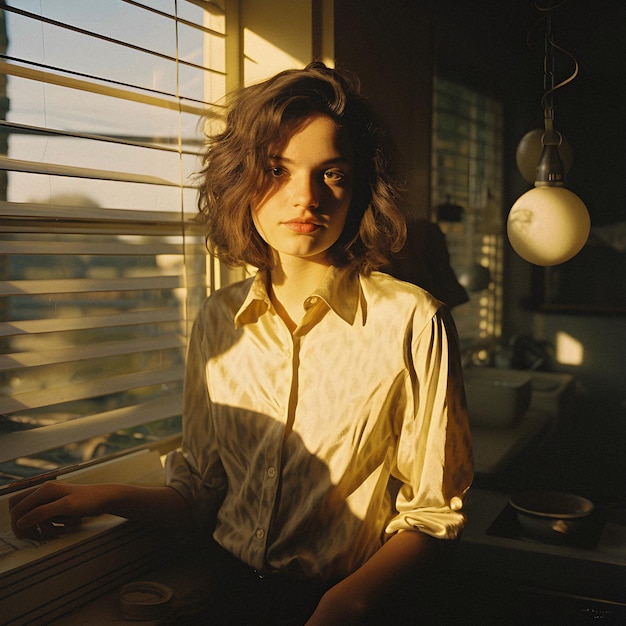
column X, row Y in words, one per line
column 551, row 515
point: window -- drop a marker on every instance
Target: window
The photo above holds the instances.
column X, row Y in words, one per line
column 467, row 172
column 102, row 268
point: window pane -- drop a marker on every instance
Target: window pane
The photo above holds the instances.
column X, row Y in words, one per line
column 100, row 193
column 85, row 53
column 467, row 172
column 80, row 111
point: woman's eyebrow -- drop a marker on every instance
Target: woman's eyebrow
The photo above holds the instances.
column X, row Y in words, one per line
column 339, row 159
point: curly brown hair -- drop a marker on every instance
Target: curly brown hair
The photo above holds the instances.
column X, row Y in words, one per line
column 235, row 161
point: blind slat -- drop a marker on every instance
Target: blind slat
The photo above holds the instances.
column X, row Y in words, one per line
column 80, row 391
column 48, row 437
column 131, row 318
column 114, row 248
column 105, row 90
column 73, row 171
column 87, row 285
column 162, row 144
column 90, row 351
column 62, row 214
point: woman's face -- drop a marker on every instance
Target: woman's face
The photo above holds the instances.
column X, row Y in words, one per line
column 305, row 208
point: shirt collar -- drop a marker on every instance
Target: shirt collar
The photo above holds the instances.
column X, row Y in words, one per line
column 340, row 290
column 256, row 303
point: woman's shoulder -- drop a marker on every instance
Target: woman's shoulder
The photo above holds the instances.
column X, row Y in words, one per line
column 391, row 301
column 389, row 286
column 227, row 299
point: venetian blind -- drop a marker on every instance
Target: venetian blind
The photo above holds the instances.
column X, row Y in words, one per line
column 101, row 265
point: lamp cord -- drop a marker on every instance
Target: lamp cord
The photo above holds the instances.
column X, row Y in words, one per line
column 551, row 136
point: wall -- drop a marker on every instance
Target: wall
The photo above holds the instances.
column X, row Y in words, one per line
column 388, row 45
column 269, row 46
column 601, row 370
column 280, row 34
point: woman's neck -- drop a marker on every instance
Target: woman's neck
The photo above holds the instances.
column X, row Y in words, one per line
column 290, row 284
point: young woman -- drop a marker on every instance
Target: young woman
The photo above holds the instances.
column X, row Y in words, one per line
column 311, row 384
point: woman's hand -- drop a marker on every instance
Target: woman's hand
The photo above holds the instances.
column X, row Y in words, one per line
column 53, row 507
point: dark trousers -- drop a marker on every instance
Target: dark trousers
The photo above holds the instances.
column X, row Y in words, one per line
column 234, row 595
column 228, row 593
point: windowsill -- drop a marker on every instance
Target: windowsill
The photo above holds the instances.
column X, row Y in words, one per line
column 42, row 582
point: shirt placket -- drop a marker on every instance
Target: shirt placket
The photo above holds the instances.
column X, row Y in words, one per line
column 272, row 458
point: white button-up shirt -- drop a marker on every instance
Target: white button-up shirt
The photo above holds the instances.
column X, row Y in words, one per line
column 290, row 439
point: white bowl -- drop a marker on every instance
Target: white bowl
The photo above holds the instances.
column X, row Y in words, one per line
column 551, row 515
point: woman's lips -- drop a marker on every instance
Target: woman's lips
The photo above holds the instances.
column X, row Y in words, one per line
column 302, row 227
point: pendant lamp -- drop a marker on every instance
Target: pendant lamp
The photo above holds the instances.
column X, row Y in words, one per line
column 549, row 224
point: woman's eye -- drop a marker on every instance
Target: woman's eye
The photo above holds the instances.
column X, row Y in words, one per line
column 333, row 175
column 276, row 172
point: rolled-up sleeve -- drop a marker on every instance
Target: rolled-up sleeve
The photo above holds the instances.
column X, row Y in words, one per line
column 434, row 455
column 195, row 471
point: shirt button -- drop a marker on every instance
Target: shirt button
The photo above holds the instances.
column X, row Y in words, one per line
column 271, row 472
column 456, row 503
column 259, row 533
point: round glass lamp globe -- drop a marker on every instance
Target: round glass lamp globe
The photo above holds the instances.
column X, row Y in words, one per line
column 548, row 225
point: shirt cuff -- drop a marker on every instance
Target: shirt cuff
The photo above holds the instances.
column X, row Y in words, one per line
column 443, row 523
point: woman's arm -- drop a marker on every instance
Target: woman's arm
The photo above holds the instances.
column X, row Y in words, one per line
column 55, row 500
column 404, row 557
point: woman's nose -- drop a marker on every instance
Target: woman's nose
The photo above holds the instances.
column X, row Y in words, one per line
column 305, row 191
